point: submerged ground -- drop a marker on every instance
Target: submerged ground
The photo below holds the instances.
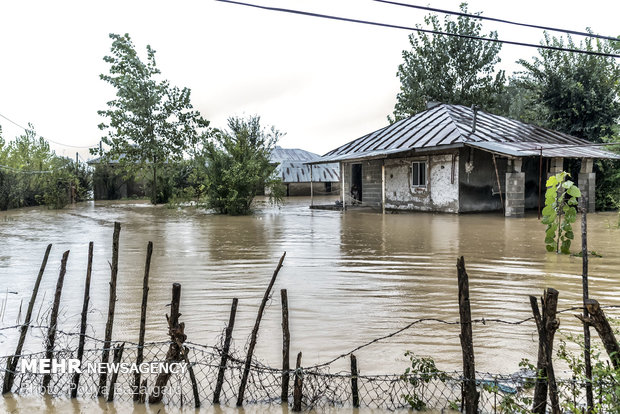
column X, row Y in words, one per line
column 350, row 277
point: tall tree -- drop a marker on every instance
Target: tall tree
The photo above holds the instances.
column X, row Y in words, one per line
column 578, row 94
column 238, row 165
column 150, row 123
column 449, row 69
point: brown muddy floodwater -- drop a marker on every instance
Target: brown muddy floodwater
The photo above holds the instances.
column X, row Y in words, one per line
column 350, row 277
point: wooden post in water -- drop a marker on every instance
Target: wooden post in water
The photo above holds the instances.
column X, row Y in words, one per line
column 586, row 327
column 225, row 350
column 89, row 268
column 597, row 319
column 286, row 342
column 111, row 306
column 141, row 335
column 118, row 355
column 470, row 393
column 176, row 331
column 354, row 388
column 546, row 324
column 11, row 363
column 254, row 335
column 51, row 332
column 298, row 385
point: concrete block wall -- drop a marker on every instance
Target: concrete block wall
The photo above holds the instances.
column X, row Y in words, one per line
column 371, row 183
column 515, row 194
column 587, row 186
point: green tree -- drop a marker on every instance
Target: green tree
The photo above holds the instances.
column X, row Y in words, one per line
column 150, row 123
column 577, row 94
column 238, row 166
column 449, row 69
column 560, row 202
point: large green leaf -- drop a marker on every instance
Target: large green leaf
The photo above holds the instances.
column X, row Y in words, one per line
column 550, row 247
column 573, row 191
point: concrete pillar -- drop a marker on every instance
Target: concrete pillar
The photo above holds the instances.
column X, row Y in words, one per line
column 586, row 183
column 515, row 190
column 556, row 165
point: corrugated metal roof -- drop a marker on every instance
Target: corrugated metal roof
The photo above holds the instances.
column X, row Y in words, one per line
column 292, row 167
column 451, row 125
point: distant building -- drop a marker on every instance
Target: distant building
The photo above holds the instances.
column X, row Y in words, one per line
column 455, row 159
column 298, row 177
column 109, row 182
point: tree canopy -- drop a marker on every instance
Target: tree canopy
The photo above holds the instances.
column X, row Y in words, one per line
column 449, row 69
column 238, row 165
column 150, row 122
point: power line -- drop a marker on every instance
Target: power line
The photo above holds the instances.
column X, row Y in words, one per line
column 493, row 19
column 15, row 170
column 47, row 139
column 417, row 29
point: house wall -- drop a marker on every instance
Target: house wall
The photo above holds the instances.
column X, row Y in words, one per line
column 319, row 189
column 441, row 192
column 371, row 182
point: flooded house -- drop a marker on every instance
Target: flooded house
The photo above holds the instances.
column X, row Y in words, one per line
column 455, row 159
column 302, row 179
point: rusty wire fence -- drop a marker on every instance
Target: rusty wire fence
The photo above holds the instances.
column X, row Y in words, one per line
column 321, row 387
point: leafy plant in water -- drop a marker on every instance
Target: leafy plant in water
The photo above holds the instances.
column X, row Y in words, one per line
column 560, row 202
column 422, row 371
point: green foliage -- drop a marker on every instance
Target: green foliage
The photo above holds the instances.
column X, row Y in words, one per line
column 150, row 123
column 238, row 166
column 422, row 371
column 577, row 94
column 32, row 174
column 605, row 379
column 560, row 201
column 449, row 69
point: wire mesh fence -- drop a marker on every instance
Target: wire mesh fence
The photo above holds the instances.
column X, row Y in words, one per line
column 321, row 387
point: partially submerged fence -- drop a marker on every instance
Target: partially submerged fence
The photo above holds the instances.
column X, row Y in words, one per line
column 205, row 375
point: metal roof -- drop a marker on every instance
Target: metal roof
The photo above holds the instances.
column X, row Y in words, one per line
column 445, row 126
column 292, row 167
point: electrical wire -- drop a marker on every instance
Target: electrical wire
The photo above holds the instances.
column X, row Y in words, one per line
column 15, row 170
column 417, row 29
column 493, row 19
column 47, row 139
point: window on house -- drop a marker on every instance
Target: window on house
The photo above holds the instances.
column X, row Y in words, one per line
column 418, row 174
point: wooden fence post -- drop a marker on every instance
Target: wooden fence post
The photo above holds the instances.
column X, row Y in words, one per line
column 298, row 385
column 354, row 389
column 254, row 335
column 470, row 393
column 80, row 353
column 546, row 324
column 11, row 363
column 118, row 355
column 586, row 327
column 605, row 332
column 51, row 332
column 286, row 342
column 141, row 335
column 225, row 350
column 111, row 306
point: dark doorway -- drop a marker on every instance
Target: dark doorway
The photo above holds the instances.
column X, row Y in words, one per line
column 356, row 182
column 328, row 187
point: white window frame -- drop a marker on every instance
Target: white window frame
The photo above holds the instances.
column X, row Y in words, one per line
column 416, row 164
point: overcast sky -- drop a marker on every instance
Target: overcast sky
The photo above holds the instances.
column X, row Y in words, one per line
column 322, row 82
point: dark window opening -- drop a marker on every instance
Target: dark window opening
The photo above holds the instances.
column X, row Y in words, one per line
column 418, row 174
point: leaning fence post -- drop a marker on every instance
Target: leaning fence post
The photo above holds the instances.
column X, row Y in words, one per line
column 354, row 388
column 225, row 350
column 11, row 363
column 586, row 328
column 470, row 393
column 141, row 335
column 111, row 305
column 51, row 332
column 118, row 355
column 80, row 353
column 254, row 335
column 599, row 321
column 546, row 324
column 286, row 342
column 298, row 385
